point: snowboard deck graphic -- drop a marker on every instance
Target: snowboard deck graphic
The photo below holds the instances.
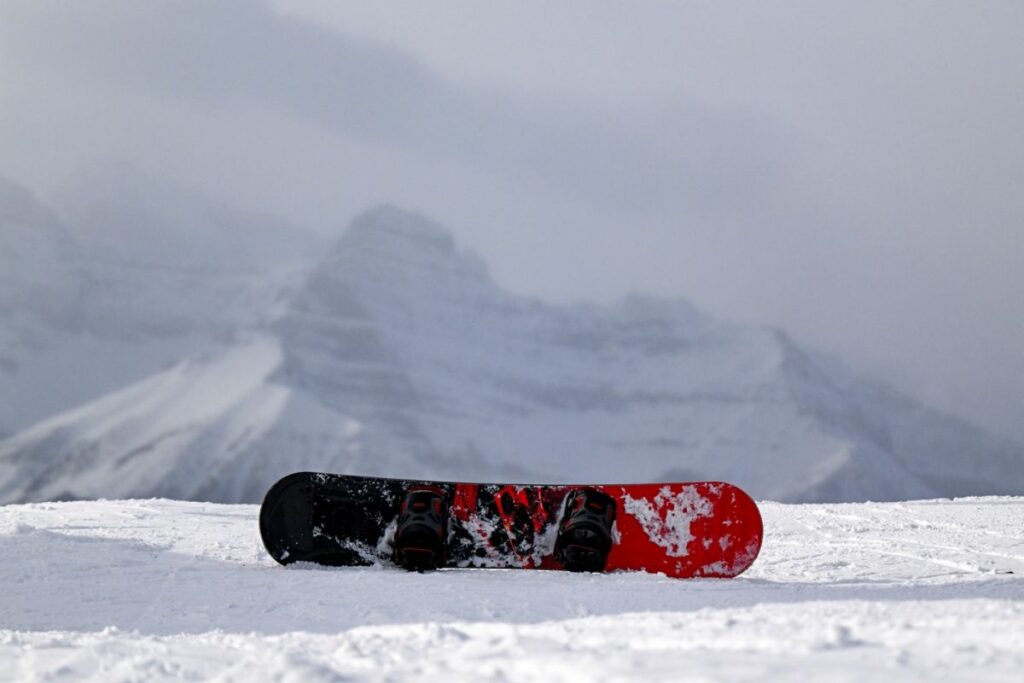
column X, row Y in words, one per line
column 696, row 529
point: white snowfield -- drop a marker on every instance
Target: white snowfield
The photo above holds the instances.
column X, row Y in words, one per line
column 162, row 590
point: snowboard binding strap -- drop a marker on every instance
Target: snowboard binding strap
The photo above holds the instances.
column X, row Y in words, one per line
column 585, row 532
column 421, row 536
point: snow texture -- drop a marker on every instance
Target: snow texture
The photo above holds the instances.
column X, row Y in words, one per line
column 167, row 590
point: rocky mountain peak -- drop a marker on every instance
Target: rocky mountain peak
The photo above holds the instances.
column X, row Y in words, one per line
column 387, row 225
column 389, row 244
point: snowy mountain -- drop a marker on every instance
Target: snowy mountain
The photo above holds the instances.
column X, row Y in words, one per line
column 128, row 276
column 400, row 356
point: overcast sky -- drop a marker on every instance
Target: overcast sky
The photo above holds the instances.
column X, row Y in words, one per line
column 851, row 172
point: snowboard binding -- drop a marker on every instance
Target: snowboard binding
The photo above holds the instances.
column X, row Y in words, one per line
column 585, row 532
column 421, row 537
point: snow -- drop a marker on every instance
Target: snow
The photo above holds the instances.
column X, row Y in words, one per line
column 161, row 590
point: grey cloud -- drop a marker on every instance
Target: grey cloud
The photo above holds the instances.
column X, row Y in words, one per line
column 683, row 156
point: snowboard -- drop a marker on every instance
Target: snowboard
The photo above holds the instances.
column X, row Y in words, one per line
column 695, row 529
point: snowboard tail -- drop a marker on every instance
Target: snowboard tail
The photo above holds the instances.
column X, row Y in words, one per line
column 706, row 529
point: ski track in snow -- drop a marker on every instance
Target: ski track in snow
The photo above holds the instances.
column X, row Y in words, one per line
column 161, row 590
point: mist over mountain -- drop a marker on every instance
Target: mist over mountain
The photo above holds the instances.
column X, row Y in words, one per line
column 162, row 259
column 37, row 261
column 398, row 355
column 124, row 276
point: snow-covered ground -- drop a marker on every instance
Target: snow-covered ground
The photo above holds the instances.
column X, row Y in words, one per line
column 159, row 589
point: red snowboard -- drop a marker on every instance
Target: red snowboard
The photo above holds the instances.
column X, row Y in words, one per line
column 708, row 529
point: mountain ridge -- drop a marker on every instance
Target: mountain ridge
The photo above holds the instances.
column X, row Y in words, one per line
column 400, row 356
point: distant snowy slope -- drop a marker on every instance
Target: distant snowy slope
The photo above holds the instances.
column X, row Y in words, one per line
column 400, row 356
column 130, row 276
column 947, row 454
column 202, row 429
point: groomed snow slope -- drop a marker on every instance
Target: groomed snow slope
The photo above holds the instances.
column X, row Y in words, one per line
column 159, row 589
